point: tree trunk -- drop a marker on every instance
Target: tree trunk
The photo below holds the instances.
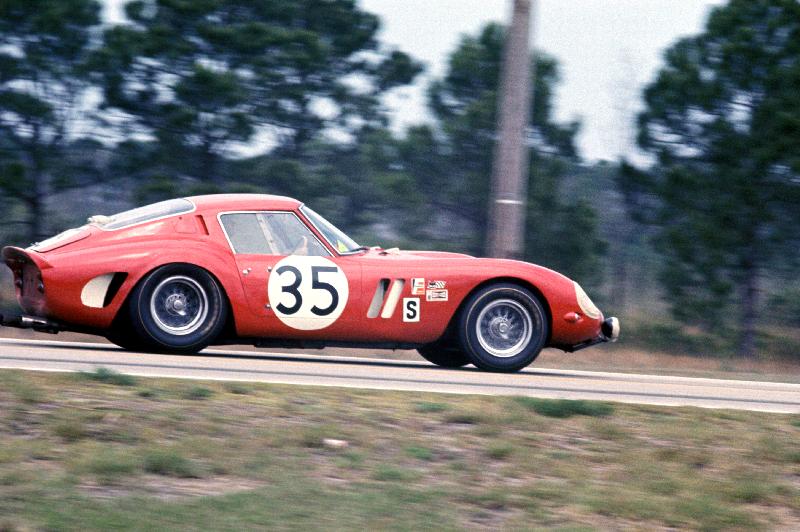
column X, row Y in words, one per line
column 207, row 172
column 35, row 203
column 619, row 282
column 38, row 195
column 510, row 167
column 749, row 304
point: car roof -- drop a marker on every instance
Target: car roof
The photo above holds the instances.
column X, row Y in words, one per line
column 244, row 202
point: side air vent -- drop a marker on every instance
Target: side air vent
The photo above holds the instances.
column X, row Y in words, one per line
column 393, row 298
column 99, row 292
column 114, row 286
column 377, row 299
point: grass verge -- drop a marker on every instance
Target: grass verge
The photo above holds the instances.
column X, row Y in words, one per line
column 92, row 454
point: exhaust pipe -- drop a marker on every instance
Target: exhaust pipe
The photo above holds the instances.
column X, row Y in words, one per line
column 30, row 322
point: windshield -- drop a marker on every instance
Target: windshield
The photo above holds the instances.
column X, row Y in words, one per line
column 147, row 213
column 340, row 241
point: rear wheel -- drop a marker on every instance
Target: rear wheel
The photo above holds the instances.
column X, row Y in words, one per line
column 443, row 355
column 503, row 327
column 178, row 308
column 122, row 333
column 125, row 338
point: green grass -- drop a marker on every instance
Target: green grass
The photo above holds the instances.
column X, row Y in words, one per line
column 429, row 407
column 420, row 453
column 169, row 462
column 148, row 456
column 778, row 341
column 564, row 408
column 390, row 473
column 464, row 418
column 71, row 429
column 26, row 392
column 499, row 451
column 108, row 376
column 237, row 388
column 198, row 393
column 110, row 465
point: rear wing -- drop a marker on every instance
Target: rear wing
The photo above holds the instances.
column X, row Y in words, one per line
column 15, row 258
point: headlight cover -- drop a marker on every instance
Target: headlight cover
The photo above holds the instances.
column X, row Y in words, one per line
column 586, row 304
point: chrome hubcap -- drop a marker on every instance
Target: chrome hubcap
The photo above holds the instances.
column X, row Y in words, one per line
column 504, row 328
column 179, row 305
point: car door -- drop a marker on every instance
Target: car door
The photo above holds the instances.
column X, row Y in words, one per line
column 294, row 285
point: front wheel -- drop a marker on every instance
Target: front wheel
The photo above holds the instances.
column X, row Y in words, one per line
column 178, row 308
column 503, row 327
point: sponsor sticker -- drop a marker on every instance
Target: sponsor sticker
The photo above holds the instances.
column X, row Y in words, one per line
column 417, row 286
column 436, row 295
column 436, row 285
column 410, row 309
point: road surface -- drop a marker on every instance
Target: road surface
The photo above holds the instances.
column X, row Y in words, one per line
column 306, row 369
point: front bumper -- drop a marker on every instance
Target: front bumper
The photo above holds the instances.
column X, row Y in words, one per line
column 609, row 332
column 610, row 329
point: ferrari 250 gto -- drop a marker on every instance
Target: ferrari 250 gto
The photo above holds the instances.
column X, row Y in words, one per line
column 180, row 275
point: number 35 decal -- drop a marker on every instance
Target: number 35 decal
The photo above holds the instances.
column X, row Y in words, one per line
column 307, row 293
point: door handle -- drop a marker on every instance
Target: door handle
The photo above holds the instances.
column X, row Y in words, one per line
column 246, row 271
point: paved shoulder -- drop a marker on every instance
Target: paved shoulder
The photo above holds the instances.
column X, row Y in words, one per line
column 305, row 369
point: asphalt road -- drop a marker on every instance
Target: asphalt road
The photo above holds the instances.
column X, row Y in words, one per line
column 305, row 369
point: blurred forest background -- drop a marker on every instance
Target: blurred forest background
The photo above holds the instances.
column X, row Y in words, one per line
column 696, row 251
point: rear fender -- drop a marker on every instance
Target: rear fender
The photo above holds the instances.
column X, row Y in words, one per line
column 27, row 267
column 71, row 272
column 216, row 260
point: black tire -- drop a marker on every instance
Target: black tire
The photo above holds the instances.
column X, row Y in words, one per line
column 121, row 332
column 178, row 308
column 126, row 339
column 503, row 327
column 443, row 355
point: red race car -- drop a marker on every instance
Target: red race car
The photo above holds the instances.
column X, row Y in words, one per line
column 179, row 275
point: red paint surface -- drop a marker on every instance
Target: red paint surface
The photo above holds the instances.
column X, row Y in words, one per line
column 197, row 238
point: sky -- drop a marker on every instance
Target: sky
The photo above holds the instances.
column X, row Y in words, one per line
column 607, row 49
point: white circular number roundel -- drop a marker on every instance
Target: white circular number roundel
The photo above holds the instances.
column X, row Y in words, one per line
column 307, row 293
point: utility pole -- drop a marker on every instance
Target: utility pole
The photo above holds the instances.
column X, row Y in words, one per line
column 510, row 166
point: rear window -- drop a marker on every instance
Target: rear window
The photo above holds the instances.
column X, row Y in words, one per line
column 147, row 213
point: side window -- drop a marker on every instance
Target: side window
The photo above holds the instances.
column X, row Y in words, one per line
column 271, row 233
column 245, row 234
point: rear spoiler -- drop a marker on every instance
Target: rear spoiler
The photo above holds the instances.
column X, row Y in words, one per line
column 14, row 256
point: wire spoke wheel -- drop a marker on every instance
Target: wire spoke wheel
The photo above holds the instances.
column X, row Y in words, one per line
column 176, row 308
column 179, row 305
column 504, row 328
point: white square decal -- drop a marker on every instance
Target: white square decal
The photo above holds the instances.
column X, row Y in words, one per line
column 411, row 309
